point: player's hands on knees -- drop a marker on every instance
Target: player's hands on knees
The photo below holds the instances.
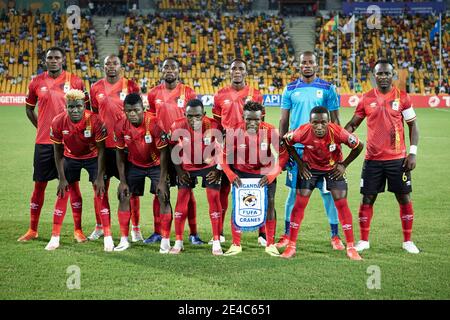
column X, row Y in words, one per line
column 162, row 191
column 63, row 187
column 264, row 181
column 99, row 185
column 123, row 191
column 184, row 177
column 304, row 170
column 410, row 162
column 214, row 176
column 237, row 182
column 338, row 171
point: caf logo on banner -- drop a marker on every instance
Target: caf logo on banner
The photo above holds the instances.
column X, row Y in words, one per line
column 249, row 205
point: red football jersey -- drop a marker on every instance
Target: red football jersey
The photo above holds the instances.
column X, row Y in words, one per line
column 143, row 142
column 48, row 93
column 323, row 153
column 107, row 99
column 253, row 153
column 202, row 147
column 169, row 105
column 229, row 103
column 79, row 138
column 385, row 130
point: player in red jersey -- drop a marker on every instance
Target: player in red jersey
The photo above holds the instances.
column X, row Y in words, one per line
column 107, row 96
column 385, row 108
column 228, row 110
column 47, row 92
column 195, row 142
column 167, row 102
column 248, row 154
column 322, row 158
column 78, row 136
column 147, row 146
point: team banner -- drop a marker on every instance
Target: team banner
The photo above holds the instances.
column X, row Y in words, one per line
column 393, row 8
column 249, row 205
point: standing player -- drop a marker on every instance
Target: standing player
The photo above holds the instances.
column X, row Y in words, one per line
column 78, row 136
column 228, row 109
column 385, row 108
column 47, row 92
column 147, row 145
column 107, row 96
column 167, row 102
column 323, row 156
column 195, row 137
column 298, row 99
column 248, row 154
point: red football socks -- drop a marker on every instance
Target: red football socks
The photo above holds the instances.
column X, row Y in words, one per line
column 135, row 210
column 59, row 213
column 365, row 217
column 224, row 193
column 76, row 202
column 298, row 212
column 271, row 225
column 166, row 221
column 345, row 218
column 124, row 222
column 192, row 213
column 105, row 216
column 215, row 211
column 181, row 210
column 407, row 217
column 37, row 200
column 236, row 234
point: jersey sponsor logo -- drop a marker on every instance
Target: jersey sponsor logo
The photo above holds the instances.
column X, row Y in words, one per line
column 373, row 105
column 65, row 132
column 127, row 137
column 158, row 101
column 319, row 93
column 100, row 96
column 44, row 89
column 296, row 94
column 243, row 146
column 310, row 147
column 226, row 101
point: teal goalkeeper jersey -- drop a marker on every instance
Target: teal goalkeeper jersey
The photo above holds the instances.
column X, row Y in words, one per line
column 300, row 98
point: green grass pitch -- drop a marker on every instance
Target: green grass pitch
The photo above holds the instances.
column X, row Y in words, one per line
column 27, row 271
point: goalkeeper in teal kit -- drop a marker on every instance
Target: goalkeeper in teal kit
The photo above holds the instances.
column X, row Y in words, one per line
column 298, row 99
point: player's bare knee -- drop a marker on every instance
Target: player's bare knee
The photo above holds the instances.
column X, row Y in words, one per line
column 369, row 199
column 403, row 198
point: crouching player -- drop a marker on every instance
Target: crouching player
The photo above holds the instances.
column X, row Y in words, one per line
column 147, row 146
column 78, row 136
column 195, row 146
column 248, row 154
column 322, row 158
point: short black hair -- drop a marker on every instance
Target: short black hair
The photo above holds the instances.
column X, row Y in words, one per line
column 253, row 106
column 173, row 59
column 195, row 103
column 383, row 61
column 307, row 53
column 238, row 60
column 132, row 99
column 319, row 109
column 56, row 49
